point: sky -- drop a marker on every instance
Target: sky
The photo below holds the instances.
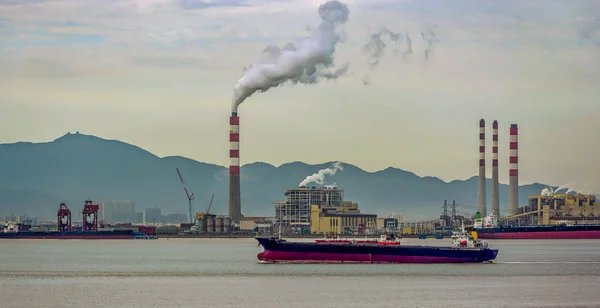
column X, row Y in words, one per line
column 160, row 74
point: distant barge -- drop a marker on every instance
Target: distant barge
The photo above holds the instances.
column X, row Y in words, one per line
column 489, row 229
column 540, row 232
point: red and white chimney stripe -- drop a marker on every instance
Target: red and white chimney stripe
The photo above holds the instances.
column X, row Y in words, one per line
column 514, row 149
column 482, row 143
column 481, row 204
column 234, row 144
column 495, row 183
column 495, row 144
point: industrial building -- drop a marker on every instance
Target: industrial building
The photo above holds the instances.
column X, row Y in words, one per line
column 295, row 212
column 210, row 223
column 344, row 218
column 114, row 211
column 153, row 215
column 389, row 224
column 557, row 208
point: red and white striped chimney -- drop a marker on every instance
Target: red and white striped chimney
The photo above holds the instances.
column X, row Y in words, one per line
column 481, row 206
column 235, row 211
column 513, row 180
column 495, row 183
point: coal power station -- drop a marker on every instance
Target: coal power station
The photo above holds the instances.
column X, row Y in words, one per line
column 513, row 182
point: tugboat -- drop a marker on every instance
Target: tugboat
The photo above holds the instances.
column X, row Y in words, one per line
column 465, row 249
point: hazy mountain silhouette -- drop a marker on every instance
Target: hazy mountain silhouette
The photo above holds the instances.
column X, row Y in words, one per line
column 35, row 177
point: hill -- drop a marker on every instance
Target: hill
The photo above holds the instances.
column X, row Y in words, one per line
column 35, row 177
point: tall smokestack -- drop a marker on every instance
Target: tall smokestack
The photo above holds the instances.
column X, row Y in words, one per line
column 482, row 198
column 495, row 184
column 513, row 180
column 235, row 209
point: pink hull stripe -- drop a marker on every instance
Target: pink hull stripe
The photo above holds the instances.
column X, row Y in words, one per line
column 593, row 234
column 120, row 237
column 315, row 257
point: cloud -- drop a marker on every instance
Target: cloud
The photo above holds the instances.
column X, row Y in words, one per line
column 21, row 2
column 199, row 4
column 48, row 33
column 527, row 62
column 504, row 23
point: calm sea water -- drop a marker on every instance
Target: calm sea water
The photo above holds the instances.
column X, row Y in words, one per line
column 225, row 273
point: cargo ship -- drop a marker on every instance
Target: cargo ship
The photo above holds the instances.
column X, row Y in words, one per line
column 466, row 248
column 490, row 229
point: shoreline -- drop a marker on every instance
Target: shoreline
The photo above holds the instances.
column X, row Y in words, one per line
column 303, row 236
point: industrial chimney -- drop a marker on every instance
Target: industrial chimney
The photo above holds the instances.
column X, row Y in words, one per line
column 513, row 180
column 235, row 210
column 495, row 183
column 481, row 207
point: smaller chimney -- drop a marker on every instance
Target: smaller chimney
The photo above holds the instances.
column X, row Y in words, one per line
column 481, row 206
column 495, row 183
column 513, row 180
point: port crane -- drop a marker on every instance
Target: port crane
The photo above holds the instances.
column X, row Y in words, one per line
column 188, row 193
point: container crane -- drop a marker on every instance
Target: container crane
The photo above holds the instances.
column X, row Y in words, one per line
column 188, row 193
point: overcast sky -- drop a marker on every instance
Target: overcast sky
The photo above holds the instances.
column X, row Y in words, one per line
column 159, row 74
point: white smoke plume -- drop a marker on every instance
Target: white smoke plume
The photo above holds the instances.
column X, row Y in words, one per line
column 569, row 190
column 307, row 63
column 575, row 188
column 402, row 44
column 563, row 186
column 319, row 176
column 547, row 192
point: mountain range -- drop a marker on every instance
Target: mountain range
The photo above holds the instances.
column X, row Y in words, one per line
column 36, row 177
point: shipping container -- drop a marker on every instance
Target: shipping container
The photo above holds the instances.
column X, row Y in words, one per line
column 148, row 230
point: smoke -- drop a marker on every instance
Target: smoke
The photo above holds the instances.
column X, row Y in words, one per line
column 575, row 188
column 547, row 192
column 430, row 39
column 319, row 176
column 569, row 190
column 401, row 44
column 308, row 63
column 589, row 31
column 563, row 187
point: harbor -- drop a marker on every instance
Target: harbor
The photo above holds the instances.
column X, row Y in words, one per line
column 166, row 272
